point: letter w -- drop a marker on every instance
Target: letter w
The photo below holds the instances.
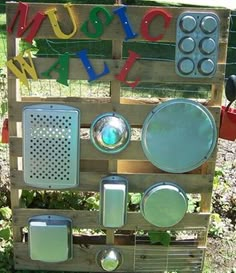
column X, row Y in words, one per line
column 25, row 67
column 22, row 11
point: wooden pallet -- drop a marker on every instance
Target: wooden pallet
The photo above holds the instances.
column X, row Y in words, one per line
column 130, row 163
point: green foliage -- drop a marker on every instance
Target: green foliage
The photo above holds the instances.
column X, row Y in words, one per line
column 6, row 257
column 60, row 200
column 219, row 226
column 3, row 94
column 193, row 203
column 5, row 213
column 6, row 260
column 5, row 231
column 218, row 174
column 224, row 202
column 162, row 237
column 93, row 202
column 135, row 198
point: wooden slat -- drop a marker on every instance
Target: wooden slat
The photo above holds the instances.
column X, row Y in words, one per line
column 155, row 71
column 138, row 182
column 134, row 113
column 85, row 258
column 99, row 100
column 13, row 95
column 88, row 151
column 90, row 219
column 134, row 151
column 217, row 94
column 125, row 166
column 202, row 3
column 114, row 31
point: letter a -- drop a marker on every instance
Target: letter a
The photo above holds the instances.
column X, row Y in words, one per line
column 61, row 66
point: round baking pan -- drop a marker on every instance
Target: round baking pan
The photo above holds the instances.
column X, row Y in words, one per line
column 164, row 204
column 179, row 135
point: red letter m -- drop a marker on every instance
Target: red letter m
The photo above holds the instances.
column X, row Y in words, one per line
column 22, row 11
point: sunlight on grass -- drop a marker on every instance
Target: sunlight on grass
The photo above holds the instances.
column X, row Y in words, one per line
column 3, row 44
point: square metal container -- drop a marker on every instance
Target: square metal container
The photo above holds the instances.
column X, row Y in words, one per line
column 51, row 146
column 50, row 238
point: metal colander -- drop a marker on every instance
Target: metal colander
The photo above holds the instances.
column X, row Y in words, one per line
column 51, row 145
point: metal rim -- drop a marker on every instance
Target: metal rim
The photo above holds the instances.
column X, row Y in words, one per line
column 167, row 186
column 122, row 146
column 155, row 158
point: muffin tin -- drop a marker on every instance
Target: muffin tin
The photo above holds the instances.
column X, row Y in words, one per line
column 197, row 38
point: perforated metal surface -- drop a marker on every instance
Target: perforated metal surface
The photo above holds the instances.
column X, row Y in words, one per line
column 51, row 146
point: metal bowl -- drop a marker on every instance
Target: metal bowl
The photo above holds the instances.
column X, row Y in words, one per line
column 110, row 133
column 109, row 259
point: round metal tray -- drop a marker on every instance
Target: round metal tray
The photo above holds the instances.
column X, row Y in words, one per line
column 179, row 135
column 164, row 204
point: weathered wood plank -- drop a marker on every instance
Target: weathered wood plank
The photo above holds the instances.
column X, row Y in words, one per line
column 134, row 151
column 138, row 182
column 203, row 3
column 154, row 71
column 134, row 113
column 127, row 166
column 182, row 256
column 13, row 95
column 84, row 259
column 114, row 31
column 90, row 219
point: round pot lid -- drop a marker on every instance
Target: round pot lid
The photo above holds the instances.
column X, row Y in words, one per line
column 179, row 135
column 164, row 204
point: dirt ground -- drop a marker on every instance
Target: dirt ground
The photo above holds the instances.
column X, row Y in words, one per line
column 221, row 252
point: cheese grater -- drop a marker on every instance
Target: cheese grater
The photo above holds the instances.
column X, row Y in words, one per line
column 51, row 146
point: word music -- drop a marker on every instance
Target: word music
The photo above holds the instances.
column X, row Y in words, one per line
column 61, row 66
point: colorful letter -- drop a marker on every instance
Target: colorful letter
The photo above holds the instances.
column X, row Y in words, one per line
column 148, row 18
column 96, row 22
column 125, row 22
column 22, row 11
column 54, row 22
column 25, row 67
column 88, row 66
column 126, row 68
column 61, row 66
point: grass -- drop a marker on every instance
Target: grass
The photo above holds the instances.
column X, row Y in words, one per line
column 3, row 45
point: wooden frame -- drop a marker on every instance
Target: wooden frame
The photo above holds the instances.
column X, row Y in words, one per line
column 131, row 163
